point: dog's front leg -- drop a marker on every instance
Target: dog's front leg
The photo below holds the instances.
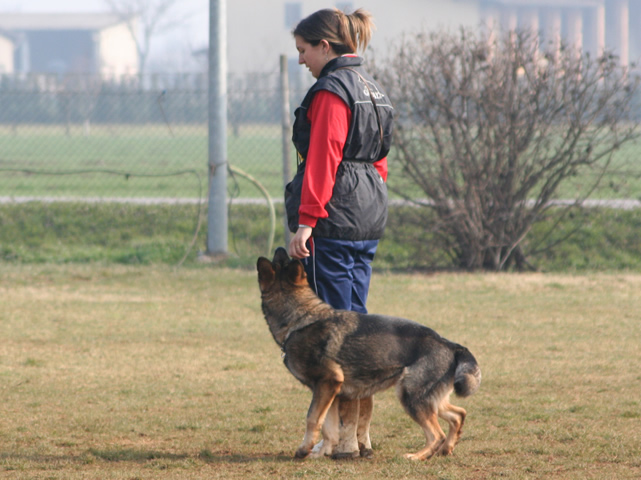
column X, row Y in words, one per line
column 330, row 431
column 323, row 395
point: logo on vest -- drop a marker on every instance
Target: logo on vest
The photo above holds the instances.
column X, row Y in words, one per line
column 371, row 87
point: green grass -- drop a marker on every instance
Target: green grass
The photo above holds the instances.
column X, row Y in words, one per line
column 126, row 372
column 121, row 233
column 35, row 232
column 131, row 161
column 164, row 161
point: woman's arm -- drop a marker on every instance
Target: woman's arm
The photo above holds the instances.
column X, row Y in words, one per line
column 330, row 118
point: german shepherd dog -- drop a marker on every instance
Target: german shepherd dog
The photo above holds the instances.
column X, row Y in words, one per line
column 349, row 356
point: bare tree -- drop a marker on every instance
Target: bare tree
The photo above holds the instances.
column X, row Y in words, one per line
column 493, row 131
column 153, row 17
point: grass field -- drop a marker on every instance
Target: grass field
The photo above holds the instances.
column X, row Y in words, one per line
column 61, row 232
column 171, row 161
column 120, row 372
column 159, row 162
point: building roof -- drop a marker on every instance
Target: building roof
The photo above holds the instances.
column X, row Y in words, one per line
column 57, row 21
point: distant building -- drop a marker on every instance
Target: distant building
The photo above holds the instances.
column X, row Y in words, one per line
column 592, row 25
column 6, row 53
column 87, row 43
column 258, row 32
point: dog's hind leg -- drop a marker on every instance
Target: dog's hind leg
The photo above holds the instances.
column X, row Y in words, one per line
column 323, row 395
column 347, row 444
column 434, row 436
column 366, row 410
column 455, row 417
column 423, row 408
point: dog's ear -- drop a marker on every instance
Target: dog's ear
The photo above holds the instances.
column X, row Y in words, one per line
column 266, row 273
column 296, row 273
column 280, row 256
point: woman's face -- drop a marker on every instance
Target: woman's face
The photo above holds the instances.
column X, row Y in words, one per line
column 313, row 57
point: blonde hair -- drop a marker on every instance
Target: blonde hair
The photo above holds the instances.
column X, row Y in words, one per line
column 344, row 33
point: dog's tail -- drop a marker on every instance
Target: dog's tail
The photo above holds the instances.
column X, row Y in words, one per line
column 467, row 377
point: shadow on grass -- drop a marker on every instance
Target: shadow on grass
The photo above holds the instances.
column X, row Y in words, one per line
column 229, row 457
column 141, row 456
column 132, row 455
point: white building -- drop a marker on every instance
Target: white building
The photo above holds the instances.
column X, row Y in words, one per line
column 86, row 43
column 6, row 53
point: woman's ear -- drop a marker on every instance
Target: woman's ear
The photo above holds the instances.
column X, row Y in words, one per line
column 325, row 46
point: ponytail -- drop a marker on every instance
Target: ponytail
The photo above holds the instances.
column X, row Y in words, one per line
column 346, row 33
column 356, row 29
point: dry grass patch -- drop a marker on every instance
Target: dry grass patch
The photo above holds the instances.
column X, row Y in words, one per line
column 148, row 372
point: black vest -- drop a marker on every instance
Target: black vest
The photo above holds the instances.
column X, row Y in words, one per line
column 358, row 207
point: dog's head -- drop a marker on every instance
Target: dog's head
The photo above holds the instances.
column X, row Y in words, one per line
column 281, row 269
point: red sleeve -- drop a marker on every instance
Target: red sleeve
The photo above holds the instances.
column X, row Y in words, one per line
column 330, row 118
column 381, row 166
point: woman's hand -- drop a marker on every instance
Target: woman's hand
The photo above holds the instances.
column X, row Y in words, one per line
column 298, row 244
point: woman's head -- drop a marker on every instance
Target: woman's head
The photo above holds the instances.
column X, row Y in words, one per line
column 328, row 33
column 344, row 33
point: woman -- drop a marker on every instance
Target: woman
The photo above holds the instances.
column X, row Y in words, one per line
column 337, row 202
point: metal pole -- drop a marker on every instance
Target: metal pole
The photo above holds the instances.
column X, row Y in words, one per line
column 286, row 130
column 217, row 208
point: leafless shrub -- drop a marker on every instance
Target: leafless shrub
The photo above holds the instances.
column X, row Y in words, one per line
column 491, row 130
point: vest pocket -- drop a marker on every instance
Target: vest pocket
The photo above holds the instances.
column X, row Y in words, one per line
column 358, row 208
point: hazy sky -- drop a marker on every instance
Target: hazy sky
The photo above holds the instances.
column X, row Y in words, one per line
column 194, row 34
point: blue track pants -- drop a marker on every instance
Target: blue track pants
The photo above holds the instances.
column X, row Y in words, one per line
column 339, row 271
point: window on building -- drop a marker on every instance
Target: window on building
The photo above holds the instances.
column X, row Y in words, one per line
column 293, row 14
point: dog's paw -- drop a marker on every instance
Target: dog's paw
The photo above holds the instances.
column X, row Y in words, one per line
column 412, row 456
column 345, row 455
column 302, row 453
column 366, row 452
column 321, row 449
column 445, row 450
column 318, row 448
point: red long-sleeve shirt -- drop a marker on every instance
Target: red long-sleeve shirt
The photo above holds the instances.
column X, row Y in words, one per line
column 330, row 118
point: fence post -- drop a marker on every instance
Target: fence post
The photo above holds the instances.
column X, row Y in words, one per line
column 286, row 131
column 217, row 129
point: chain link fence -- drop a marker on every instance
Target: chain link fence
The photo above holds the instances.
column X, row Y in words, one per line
column 135, row 141
column 84, row 138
